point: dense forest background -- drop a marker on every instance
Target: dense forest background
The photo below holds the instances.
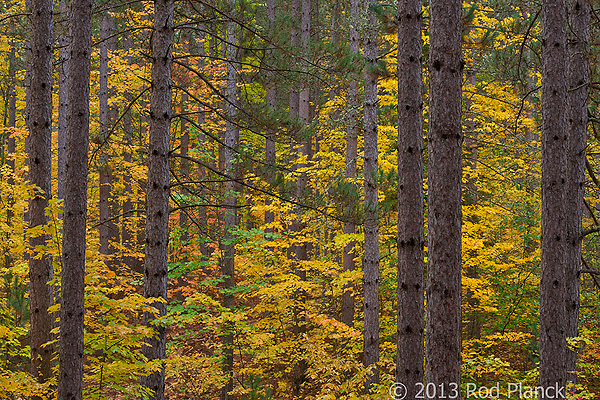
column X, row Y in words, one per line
column 283, row 144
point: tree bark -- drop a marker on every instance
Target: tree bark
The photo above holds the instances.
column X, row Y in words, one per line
column 443, row 344
column 63, row 69
column 271, row 97
column 348, row 263
column 371, row 219
column 230, row 217
column 411, row 241
column 70, row 374
column 578, row 78
column 553, row 321
column 157, row 203
column 40, row 167
column 107, row 227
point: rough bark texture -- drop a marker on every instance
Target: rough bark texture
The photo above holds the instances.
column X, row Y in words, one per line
column 371, row 221
column 70, row 373
column 554, row 160
column 230, row 217
column 411, row 240
column 578, row 78
column 40, row 167
column 348, row 255
column 63, row 69
column 443, row 345
column 157, row 203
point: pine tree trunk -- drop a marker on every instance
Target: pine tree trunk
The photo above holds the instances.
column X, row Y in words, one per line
column 157, row 203
column 348, row 255
column 371, row 222
column 232, row 188
column 578, row 78
column 70, row 374
column 443, row 344
column 411, row 241
column 63, row 69
column 553, row 320
column 40, row 167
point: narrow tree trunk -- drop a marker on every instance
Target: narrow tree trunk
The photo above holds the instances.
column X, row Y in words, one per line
column 443, row 344
column 107, row 227
column 411, row 241
column 40, row 167
column 578, row 78
column 371, row 222
column 553, row 322
column 230, row 218
column 70, row 373
column 294, row 43
column 270, row 134
column 157, row 203
column 305, row 151
column 63, row 69
column 126, row 230
column 350, row 174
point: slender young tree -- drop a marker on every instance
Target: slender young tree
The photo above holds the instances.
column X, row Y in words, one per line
column 107, row 227
column 411, row 241
column 578, row 78
column 271, row 104
column 230, row 217
column 70, row 370
column 553, row 321
column 351, row 156
column 40, row 167
column 157, row 200
column 371, row 221
column 443, row 344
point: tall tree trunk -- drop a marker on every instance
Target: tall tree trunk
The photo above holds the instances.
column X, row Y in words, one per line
column 443, row 344
column 232, row 188
column 371, row 222
column 63, row 69
column 305, row 151
column 40, row 167
column 70, row 373
column 411, row 240
column 157, row 203
column 350, row 174
column 106, row 227
column 126, row 230
column 270, row 134
column 294, row 43
column 553, row 322
column 578, row 78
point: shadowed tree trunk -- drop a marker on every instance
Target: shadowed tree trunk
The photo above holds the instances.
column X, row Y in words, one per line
column 40, row 168
column 63, row 69
column 107, row 227
column 232, row 188
column 350, row 174
column 411, row 241
column 371, row 222
column 270, row 134
column 70, row 373
column 553, row 322
column 443, row 345
column 157, row 203
column 577, row 117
